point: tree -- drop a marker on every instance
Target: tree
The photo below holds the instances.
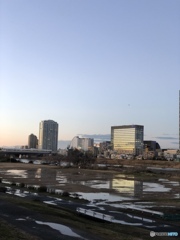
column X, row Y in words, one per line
column 80, row 158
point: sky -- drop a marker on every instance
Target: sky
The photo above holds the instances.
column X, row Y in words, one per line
column 89, row 65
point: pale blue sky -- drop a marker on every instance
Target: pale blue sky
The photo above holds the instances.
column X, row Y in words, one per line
column 89, row 65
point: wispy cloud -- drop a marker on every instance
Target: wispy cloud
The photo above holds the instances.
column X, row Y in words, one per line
column 175, row 143
column 97, row 137
column 167, row 138
column 170, row 134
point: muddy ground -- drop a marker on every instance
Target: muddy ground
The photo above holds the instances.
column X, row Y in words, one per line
column 86, row 228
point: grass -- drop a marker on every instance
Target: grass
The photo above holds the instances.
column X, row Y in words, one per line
column 70, row 218
column 10, row 232
column 67, row 217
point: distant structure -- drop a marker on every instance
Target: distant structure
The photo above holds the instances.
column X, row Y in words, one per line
column 150, row 145
column 24, row 147
column 104, row 146
column 48, row 135
column 179, row 119
column 32, row 141
column 84, row 144
column 127, row 139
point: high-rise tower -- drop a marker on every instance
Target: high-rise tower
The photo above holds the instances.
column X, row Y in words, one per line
column 48, row 135
column 32, row 141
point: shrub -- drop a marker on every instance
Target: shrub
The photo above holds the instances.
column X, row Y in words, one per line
column 21, row 185
column 30, row 187
column 42, row 189
column 36, row 199
column 3, row 189
column 65, row 194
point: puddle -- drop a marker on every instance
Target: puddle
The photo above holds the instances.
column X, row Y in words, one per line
column 6, row 181
column 17, row 192
column 125, row 186
column 17, row 173
column 94, row 197
column 177, row 195
column 38, row 173
column 166, row 181
column 140, row 218
column 145, row 204
column 23, row 160
column 154, row 187
column 96, row 184
column 137, row 205
column 50, row 202
column 126, row 223
column 61, row 178
column 111, row 189
column 61, row 228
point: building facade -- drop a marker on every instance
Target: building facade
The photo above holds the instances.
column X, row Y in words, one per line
column 84, row 144
column 127, row 139
column 48, row 135
column 32, row 141
column 150, row 145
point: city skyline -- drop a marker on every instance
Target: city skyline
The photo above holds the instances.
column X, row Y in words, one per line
column 90, row 65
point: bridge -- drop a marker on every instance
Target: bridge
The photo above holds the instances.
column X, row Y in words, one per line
column 18, row 151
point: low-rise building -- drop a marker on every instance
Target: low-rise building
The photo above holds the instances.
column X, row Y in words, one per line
column 84, row 144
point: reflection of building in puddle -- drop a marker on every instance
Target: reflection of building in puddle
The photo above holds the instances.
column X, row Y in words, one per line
column 138, row 188
column 100, row 184
column 60, row 178
column 125, row 186
column 31, row 174
column 42, row 175
column 17, row 173
column 155, row 187
column 38, row 173
column 48, row 177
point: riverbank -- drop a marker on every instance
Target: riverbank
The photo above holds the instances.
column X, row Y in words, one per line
column 20, row 217
column 140, row 163
column 30, row 210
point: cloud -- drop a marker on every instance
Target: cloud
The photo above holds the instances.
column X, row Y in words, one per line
column 175, row 143
column 168, row 134
column 97, row 137
column 167, row 138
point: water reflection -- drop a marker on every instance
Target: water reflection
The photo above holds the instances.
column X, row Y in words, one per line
column 155, row 187
column 17, row 173
column 60, row 177
column 102, row 197
column 38, row 173
column 125, row 186
column 120, row 184
column 61, row 228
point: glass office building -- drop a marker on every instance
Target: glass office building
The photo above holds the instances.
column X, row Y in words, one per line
column 127, row 139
